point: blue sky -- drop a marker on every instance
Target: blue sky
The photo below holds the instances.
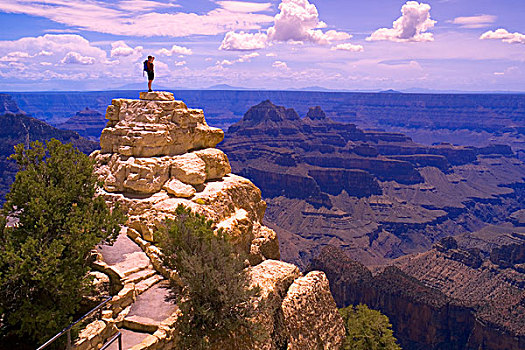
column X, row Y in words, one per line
column 469, row 45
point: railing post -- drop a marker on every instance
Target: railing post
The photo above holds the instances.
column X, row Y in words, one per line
column 120, row 341
column 69, row 339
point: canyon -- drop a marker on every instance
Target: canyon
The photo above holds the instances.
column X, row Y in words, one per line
column 376, row 195
column 463, row 119
column 430, row 235
column 411, row 203
column 18, row 127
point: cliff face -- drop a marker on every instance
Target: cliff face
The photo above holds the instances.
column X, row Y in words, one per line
column 377, row 195
column 426, row 310
column 157, row 154
column 8, row 105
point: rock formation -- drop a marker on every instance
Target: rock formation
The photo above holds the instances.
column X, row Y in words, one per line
column 464, row 119
column 157, row 154
column 450, row 297
column 87, row 122
column 8, row 105
column 377, row 195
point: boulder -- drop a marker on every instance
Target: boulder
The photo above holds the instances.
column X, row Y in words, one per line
column 188, row 168
column 179, row 189
column 217, row 164
column 295, row 312
column 264, row 245
column 150, row 128
column 132, row 175
column 273, row 278
column 310, row 314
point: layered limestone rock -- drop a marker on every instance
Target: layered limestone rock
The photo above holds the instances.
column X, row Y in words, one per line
column 296, row 312
column 157, row 154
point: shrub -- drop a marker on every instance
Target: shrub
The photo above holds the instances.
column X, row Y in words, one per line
column 44, row 258
column 214, row 296
column 367, row 329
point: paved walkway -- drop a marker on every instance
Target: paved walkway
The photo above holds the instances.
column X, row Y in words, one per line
column 150, row 307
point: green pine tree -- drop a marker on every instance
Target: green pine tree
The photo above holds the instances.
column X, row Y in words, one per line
column 44, row 258
column 367, row 329
column 215, row 296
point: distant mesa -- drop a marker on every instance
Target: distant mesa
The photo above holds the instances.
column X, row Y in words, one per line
column 316, row 113
column 226, row 87
column 88, row 123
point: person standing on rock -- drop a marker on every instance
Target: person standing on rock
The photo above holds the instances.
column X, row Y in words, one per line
column 148, row 68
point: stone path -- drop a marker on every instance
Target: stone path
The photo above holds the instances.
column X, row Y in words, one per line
column 150, row 307
column 129, row 339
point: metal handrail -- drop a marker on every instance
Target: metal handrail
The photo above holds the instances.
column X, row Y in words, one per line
column 112, row 340
column 68, row 328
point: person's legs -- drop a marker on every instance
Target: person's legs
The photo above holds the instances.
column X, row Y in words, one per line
column 151, row 76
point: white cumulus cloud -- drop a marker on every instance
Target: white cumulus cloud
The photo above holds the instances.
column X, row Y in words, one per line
column 504, row 35
column 121, row 49
column 52, row 44
column 45, row 53
column 248, row 57
column 297, row 22
column 76, row 58
column 15, row 56
column 411, row 26
column 348, row 47
column 175, row 50
column 180, row 63
column 244, row 41
column 244, row 7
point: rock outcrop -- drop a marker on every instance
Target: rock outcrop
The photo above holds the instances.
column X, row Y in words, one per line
column 446, row 298
column 157, row 154
column 377, row 195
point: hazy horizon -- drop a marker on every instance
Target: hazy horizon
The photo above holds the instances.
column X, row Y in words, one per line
column 305, row 89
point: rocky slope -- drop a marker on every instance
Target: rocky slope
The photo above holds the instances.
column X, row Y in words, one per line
column 18, row 128
column 155, row 155
column 376, row 195
column 447, row 298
